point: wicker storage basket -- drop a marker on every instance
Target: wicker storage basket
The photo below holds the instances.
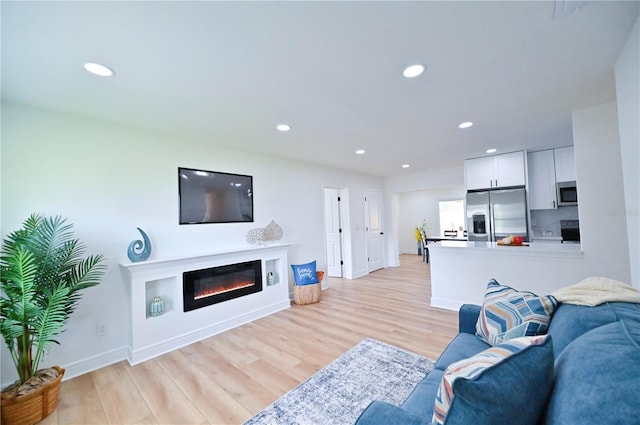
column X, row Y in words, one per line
column 308, row 294
column 33, row 407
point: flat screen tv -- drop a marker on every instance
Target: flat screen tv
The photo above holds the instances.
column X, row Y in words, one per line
column 214, row 197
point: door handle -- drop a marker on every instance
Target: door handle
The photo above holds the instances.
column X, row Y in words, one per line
column 382, row 233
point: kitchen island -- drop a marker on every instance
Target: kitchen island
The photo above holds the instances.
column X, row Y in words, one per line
column 460, row 270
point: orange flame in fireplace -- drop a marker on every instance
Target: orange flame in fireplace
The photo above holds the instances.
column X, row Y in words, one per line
column 221, row 289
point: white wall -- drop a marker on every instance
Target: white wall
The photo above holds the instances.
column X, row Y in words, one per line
column 627, row 71
column 603, row 231
column 415, row 207
column 437, row 179
column 108, row 180
column 399, row 238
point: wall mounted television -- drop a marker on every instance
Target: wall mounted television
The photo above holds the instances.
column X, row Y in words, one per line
column 214, row 197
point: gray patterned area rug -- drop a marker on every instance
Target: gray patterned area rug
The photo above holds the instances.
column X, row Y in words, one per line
column 338, row 393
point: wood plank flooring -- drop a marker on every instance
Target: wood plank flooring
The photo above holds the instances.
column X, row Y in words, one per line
column 228, row 378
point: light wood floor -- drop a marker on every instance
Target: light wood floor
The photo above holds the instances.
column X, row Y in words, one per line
column 230, row 377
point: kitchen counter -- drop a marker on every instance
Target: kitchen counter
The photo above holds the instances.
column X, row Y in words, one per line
column 443, row 238
column 460, row 271
column 533, row 248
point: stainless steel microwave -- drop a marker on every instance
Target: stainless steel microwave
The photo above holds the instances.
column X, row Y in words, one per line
column 567, row 194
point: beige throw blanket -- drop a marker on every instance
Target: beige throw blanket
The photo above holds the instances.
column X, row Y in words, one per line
column 594, row 291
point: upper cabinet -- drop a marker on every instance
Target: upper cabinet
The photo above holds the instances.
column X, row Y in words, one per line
column 495, row 171
column 546, row 168
column 542, row 180
column 565, row 164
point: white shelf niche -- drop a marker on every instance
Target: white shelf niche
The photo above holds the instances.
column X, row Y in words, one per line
column 169, row 289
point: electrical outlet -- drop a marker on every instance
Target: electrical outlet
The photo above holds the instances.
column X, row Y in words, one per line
column 103, row 328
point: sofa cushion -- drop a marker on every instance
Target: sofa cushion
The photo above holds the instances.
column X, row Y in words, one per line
column 420, row 401
column 463, row 346
column 305, row 274
column 597, row 377
column 507, row 313
column 508, row 381
column 468, row 317
column 570, row 321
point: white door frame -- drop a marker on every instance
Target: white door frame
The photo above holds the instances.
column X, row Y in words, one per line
column 345, row 223
column 333, row 232
column 374, row 237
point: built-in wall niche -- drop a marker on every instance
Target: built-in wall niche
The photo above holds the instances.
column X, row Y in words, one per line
column 273, row 270
column 166, row 290
column 152, row 336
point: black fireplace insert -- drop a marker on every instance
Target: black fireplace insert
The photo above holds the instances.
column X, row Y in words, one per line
column 201, row 288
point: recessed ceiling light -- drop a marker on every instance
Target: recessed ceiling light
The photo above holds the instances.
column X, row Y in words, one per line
column 413, row 71
column 492, row 150
column 360, row 152
column 97, row 69
column 406, row 165
column 465, row 124
column 283, row 127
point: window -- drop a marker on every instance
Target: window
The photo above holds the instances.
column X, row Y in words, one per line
column 452, row 218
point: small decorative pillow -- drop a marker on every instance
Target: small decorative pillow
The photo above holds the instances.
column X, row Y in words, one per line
column 507, row 313
column 498, row 385
column 305, row 274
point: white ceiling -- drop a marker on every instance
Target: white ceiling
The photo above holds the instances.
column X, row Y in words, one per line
column 228, row 72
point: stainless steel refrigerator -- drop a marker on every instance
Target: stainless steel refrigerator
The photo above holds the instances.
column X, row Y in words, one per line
column 495, row 214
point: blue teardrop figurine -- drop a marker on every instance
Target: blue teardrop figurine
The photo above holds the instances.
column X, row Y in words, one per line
column 139, row 250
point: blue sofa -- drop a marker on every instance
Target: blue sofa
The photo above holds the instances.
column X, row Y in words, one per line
column 594, row 376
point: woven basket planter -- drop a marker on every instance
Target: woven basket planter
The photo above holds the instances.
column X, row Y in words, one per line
column 31, row 408
column 308, row 294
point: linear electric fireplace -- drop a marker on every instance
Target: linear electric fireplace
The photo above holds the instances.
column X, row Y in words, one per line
column 201, row 288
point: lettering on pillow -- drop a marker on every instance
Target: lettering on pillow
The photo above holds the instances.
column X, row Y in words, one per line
column 305, row 274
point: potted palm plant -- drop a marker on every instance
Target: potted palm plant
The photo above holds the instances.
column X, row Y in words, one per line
column 42, row 271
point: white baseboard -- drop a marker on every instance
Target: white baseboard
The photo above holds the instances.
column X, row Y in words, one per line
column 99, row 361
column 359, row 273
column 446, row 304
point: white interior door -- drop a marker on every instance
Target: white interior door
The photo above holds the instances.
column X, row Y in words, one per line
column 373, row 227
column 333, row 232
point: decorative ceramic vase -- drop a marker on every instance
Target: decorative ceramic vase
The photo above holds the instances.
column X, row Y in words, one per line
column 156, row 307
column 139, row 250
column 273, row 232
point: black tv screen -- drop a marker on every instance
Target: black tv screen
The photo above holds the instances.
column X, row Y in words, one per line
column 214, row 197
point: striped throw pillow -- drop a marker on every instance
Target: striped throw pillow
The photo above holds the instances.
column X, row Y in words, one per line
column 507, row 313
column 495, row 386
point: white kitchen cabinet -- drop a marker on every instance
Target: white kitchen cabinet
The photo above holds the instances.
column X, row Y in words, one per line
column 542, row 180
column 478, row 173
column 565, row 164
column 495, row 171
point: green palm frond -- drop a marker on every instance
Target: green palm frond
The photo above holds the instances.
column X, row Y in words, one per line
column 87, row 273
column 50, row 321
column 20, row 305
column 42, row 270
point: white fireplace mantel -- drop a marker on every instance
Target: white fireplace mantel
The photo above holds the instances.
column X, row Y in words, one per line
column 152, row 336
